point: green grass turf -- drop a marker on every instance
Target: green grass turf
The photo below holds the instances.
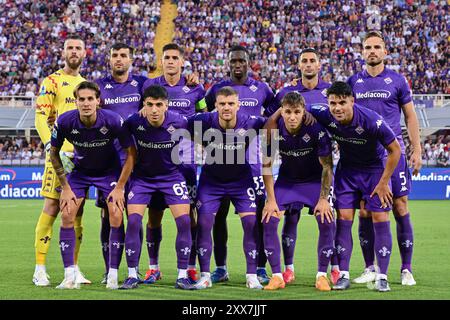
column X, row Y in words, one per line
column 18, row 218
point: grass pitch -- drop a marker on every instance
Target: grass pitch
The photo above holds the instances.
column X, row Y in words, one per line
column 431, row 220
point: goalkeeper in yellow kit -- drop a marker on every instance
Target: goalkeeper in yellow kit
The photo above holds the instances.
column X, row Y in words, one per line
column 55, row 98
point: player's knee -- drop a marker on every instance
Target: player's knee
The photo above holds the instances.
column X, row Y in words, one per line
column 115, row 220
column 364, row 213
column 67, row 220
column 400, row 207
column 380, row 217
column 51, row 207
column 155, row 218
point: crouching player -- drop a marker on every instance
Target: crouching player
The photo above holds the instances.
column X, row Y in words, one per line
column 362, row 174
column 304, row 179
column 228, row 174
column 156, row 172
column 92, row 131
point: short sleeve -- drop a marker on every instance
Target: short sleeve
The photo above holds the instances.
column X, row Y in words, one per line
column 57, row 135
column 404, row 92
column 384, row 133
column 324, row 148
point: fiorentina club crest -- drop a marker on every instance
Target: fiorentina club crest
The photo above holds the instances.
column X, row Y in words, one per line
column 241, row 132
column 306, row 138
column 186, row 89
column 104, row 130
column 324, row 92
column 134, row 83
column 388, row 80
column 171, row 129
column 359, row 130
column 253, row 88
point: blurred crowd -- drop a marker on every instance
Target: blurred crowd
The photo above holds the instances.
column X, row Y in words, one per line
column 12, row 148
column 31, row 34
column 416, row 34
column 437, row 152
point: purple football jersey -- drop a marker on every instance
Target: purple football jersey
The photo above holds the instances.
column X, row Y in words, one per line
column 95, row 154
column 316, row 96
column 385, row 94
column 300, row 153
column 122, row 98
column 254, row 96
column 224, row 157
column 362, row 142
column 154, row 145
column 183, row 99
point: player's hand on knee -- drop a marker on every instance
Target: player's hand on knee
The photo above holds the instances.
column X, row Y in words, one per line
column 323, row 208
column 384, row 193
column 270, row 209
column 67, row 200
column 117, row 197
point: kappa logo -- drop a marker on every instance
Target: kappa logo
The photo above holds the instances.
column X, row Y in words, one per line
column 130, row 195
column 259, row 192
column 150, row 244
column 185, row 197
column 360, row 80
column 407, row 244
column 388, row 80
column 332, row 125
column 253, row 254
column 253, row 88
column 202, row 251
column 108, row 86
column 379, row 123
column 75, row 131
column 359, row 130
column 129, row 252
column 253, row 205
column 186, row 89
column 306, row 138
column 65, row 84
column 321, row 134
column 279, row 138
column 104, row 130
column 403, row 188
column 384, row 251
column 63, row 246
column 140, row 128
column 288, row 241
column 171, row 129
column 134, row 83
column 185, row 250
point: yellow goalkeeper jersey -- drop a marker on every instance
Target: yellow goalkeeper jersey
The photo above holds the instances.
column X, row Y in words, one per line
column 55, row 98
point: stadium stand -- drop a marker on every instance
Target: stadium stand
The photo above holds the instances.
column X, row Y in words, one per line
column 276, row 31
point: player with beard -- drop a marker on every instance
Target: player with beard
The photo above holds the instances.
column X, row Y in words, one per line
column 120, row 92
column 56, row 97
column 387, row 93
column 254, row 97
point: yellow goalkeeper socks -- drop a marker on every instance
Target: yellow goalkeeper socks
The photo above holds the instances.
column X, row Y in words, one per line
column 43, row 235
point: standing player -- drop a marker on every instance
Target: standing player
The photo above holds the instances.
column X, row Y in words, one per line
column 305, row 177
column 314, row 91
column 156, row 172
column 227, row 173
column 55, row 98
column 387, row 92
column 254, row 97
column 185, row 98
column 362, row 174
column 96, row 163
column 120, row 92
